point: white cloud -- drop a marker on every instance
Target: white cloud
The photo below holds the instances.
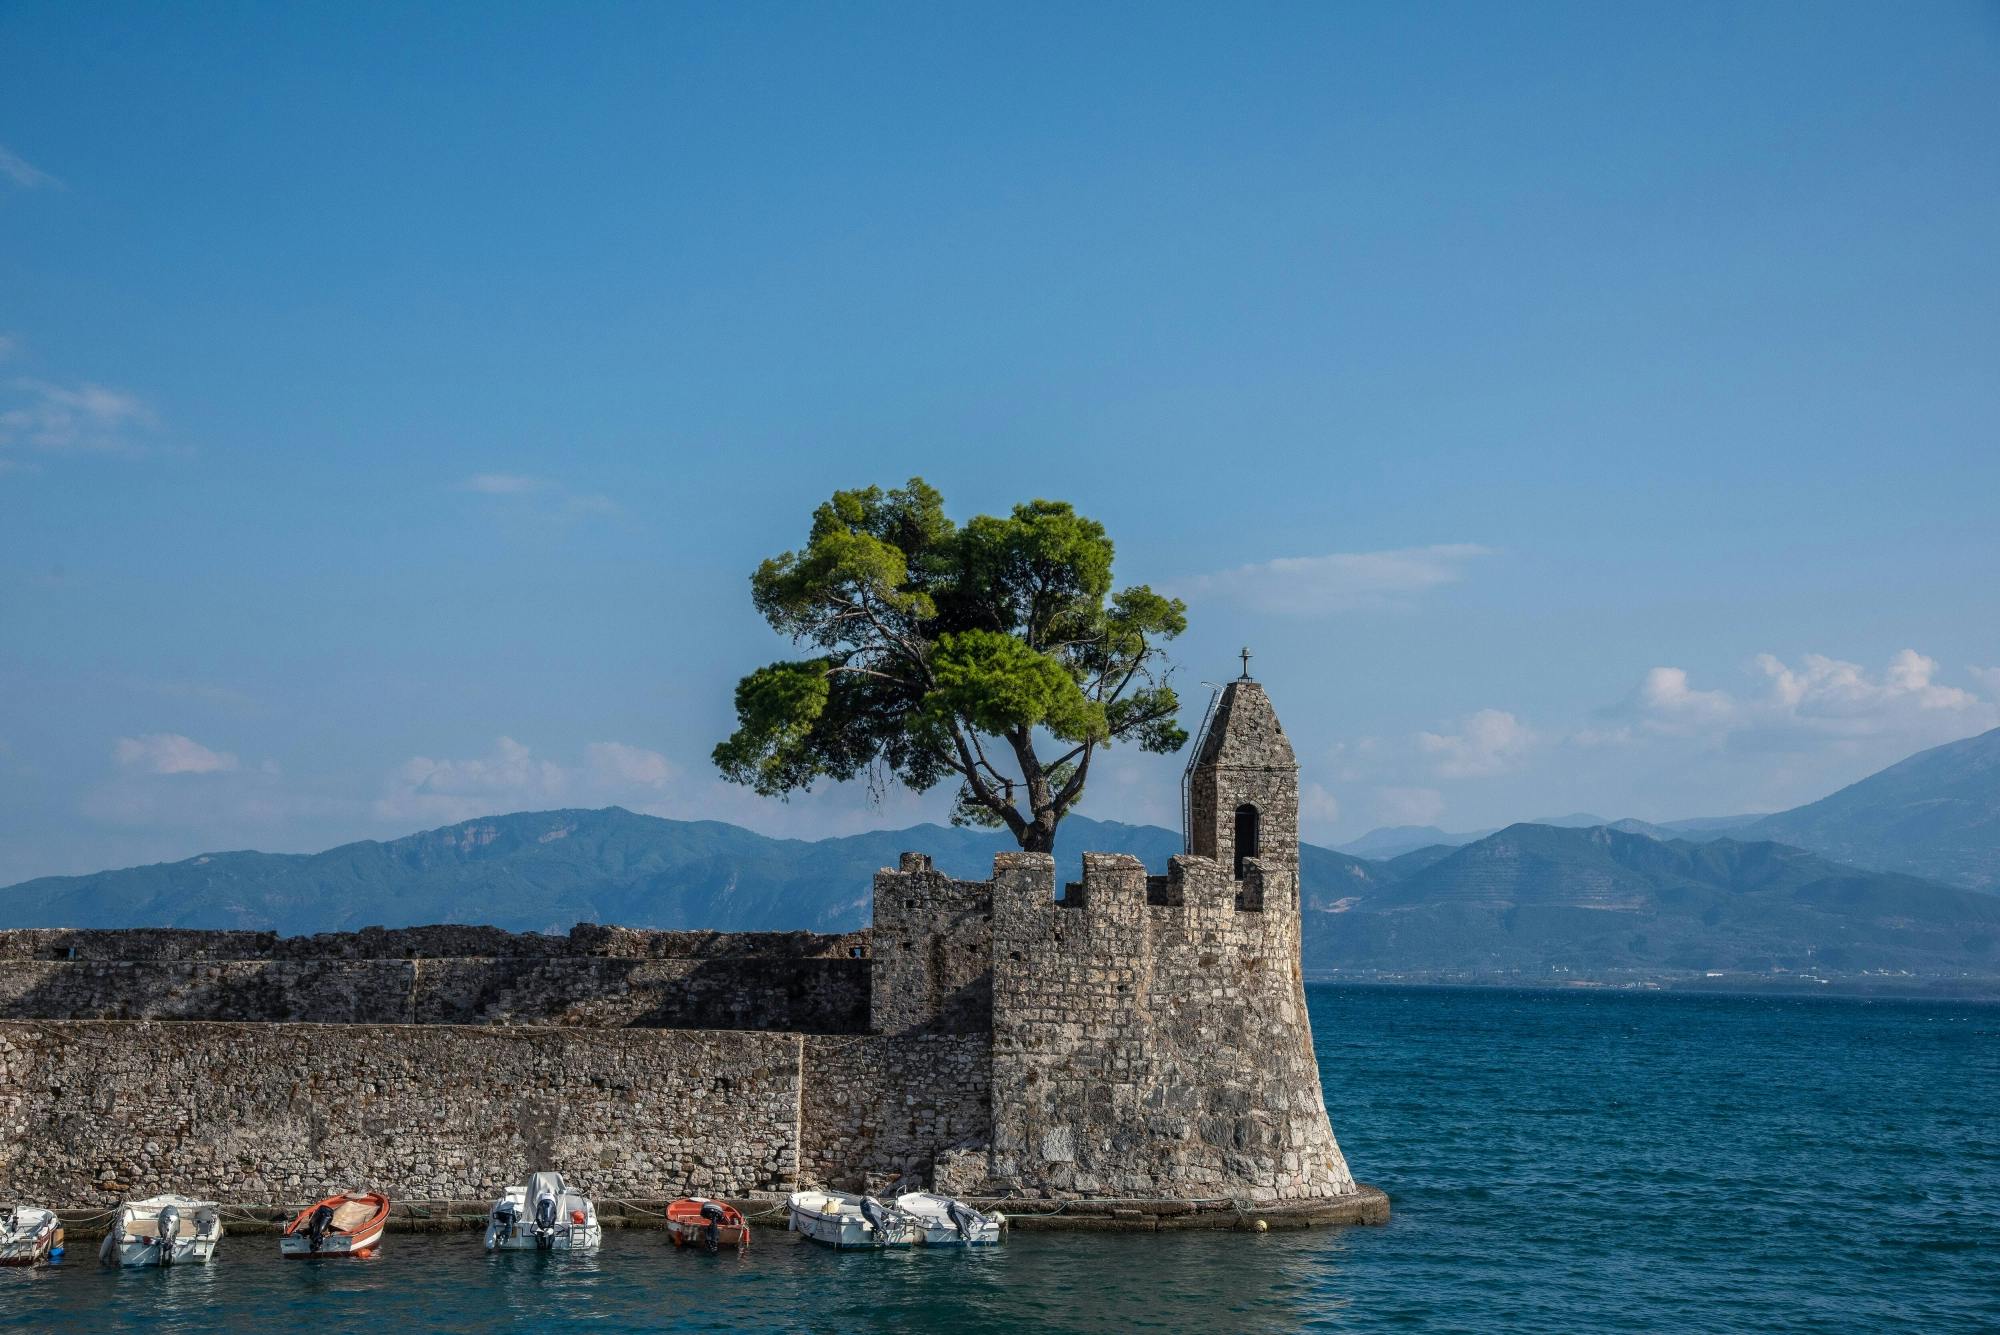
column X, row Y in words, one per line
column 511, row 777
column 540, row 497
column 508, row 777
column 1337, row 582
column 503, row 484
column 1487, row 743
column 1319, row 810
column 619, row 763
column 1667, row 703
column 589, row 503
column 1818, row 699
column 1408, row 806
column 170, row 753
column 24, row 173
column 1830, row 688
column 39, row 415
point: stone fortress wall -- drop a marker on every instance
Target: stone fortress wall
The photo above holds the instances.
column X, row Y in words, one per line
column 1140, row 1039
column 596, row 977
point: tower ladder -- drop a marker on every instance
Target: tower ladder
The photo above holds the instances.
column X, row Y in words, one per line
column 1187, row 775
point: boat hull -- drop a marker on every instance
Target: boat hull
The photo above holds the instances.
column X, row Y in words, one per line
column 353, row 1227
column 570, row 1219
column 931, row 1219
column 945, row 1235
column 562, row 1238
column 142, row 1252
column 133, row 1240
column 34, row 1237
column 688, row 1228
column 847, row 1229
column 358, row 1246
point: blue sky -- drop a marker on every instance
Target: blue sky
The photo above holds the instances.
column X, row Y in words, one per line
column 1575, row 407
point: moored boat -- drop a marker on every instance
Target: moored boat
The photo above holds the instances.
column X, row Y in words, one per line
column 543, row 1214
column 697, row 1221
column 30, row 1235
column 348, row 1223
column 163, row 1230
column 944, row 1221
column 840, row 1220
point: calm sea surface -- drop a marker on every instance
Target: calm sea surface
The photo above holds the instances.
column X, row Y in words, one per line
column 1558, row 1162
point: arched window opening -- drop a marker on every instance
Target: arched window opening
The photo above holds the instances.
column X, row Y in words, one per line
column 1247, row 832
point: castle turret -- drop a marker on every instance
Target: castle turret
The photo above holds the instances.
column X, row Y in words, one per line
column 1243, row 793
column 1150, row 1034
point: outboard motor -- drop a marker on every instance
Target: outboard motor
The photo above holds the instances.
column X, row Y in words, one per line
column 712, row 1235
column 502, row 1225
column 318, row 1227
column 545, row 1221
column 964, row 1218
column 170, row 1227
column 872, row 1211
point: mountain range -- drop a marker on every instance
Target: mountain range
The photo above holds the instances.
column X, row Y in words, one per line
column 1854, row 883
column 1539, row 899
column 1935, row 815
column 1391, row 841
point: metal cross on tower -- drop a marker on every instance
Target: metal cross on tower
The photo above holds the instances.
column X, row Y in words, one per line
column 1245, row 655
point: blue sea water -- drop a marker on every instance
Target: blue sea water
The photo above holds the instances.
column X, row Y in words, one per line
column 1559, row 1161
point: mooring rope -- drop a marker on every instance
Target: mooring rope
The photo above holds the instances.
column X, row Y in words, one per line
column 445, row 1209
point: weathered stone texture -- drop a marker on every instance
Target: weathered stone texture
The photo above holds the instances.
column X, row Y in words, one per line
column 445, row 941
column 94, row 1111
column 879, row 1108
column 932, row 942
column 1149, row 1050
column 1245, row 760
column 194, row 980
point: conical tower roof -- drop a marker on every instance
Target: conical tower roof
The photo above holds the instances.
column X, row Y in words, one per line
column 1245, row 732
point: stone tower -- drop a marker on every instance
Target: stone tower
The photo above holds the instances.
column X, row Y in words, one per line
column 1151, row 1040
column 1243, row 796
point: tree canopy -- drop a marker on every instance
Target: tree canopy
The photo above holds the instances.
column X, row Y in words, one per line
column 995, row 652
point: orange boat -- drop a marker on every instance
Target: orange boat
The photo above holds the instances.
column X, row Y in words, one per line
column 697, row 1221
column 349, row 1224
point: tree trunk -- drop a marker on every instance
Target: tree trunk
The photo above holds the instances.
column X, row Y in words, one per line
column 1039, row 836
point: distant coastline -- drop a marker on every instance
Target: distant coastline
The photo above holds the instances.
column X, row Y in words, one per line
column 1859, row 988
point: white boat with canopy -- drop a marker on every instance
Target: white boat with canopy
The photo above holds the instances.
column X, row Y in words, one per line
column 163, row 1230
column 840, row 1220
column 945, row 1221
column 543, row 1214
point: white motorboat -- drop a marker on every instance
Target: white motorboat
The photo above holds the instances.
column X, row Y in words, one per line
column 163, row 1230
column 840, row 1220
column 944, row 1221
column 543, row 1214
column 30, row 1235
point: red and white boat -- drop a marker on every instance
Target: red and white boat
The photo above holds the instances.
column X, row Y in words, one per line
column 697, row 1221
column 349, row 1224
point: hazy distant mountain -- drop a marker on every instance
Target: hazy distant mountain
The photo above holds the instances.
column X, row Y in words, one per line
column 1936, row 815
column 547, row 870
column 1576, row 820
column 1700, row 827
column 1535, row 898
column 1390, row 840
